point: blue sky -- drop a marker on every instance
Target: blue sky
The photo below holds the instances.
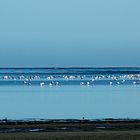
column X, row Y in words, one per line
column 62, row 33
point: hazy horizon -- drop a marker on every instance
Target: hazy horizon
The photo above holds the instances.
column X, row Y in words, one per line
column 69, row 33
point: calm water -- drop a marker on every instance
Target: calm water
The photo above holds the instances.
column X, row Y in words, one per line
column 70, row 93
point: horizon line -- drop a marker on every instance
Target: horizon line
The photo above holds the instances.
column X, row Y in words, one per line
column 69, row 67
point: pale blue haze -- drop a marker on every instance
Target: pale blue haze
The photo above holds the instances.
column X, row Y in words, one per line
column 50, row 33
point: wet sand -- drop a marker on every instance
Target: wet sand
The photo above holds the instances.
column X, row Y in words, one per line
column 70, row 130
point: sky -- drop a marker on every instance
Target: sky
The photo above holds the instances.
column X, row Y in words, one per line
column 69, row 33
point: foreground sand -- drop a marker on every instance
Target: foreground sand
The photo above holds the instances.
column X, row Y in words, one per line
column 100, row 135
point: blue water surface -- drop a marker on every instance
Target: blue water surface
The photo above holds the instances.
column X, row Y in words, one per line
column 69, row 101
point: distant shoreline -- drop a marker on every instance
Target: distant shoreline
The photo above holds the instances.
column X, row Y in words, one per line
column 68, row 125
column 88, row 67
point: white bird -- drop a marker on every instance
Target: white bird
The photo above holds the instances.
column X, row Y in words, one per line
column 42, row 84
column 25, row 82
column 92, row 79
column 27, row 79
column 88, row 83
column 5, row 77
column 118, row 83
column 134, row 82
column 81, row 83
column 110, row 83
column 50, row 84
column 57, row 83
column 50, row 77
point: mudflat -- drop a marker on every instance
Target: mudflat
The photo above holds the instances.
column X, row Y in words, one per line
column 70, row 130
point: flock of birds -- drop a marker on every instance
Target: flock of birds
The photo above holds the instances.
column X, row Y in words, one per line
column 54, row 80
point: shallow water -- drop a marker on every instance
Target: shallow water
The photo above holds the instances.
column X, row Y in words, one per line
column 69, row 99
column 66, row 102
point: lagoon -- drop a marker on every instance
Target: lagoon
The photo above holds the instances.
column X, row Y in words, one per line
column 69, row 102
